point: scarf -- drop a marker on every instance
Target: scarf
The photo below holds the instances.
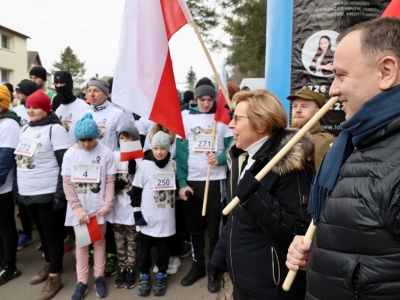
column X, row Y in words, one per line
column 375, row 114
column 100, row 107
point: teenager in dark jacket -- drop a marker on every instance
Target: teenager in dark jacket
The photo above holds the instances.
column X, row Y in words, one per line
column 271, row 212
column 40, row 185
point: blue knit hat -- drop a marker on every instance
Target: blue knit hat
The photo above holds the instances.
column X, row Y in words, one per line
column 86, row 128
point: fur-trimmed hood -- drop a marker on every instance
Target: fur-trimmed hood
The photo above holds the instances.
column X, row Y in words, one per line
column 300, row 155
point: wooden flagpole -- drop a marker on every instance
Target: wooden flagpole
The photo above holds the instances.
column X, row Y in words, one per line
column 228, row 101
column 286, row 148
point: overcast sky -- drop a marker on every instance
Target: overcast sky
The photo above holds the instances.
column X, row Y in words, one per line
column 92, row 29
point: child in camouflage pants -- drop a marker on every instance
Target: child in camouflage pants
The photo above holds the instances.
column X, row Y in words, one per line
column 124, row 223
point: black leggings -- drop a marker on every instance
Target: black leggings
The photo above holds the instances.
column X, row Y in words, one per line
column 8, row 230
column 50, row 225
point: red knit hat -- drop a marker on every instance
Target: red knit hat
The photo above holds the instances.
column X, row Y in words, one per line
column 40, row 100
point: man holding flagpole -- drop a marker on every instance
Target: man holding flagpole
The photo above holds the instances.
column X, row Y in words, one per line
column 356, row 248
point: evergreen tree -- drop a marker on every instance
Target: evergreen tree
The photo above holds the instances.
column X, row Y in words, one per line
column 69, row 62
column 191, row 78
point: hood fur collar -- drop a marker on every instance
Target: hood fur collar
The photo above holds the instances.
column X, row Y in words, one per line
column 296, row 159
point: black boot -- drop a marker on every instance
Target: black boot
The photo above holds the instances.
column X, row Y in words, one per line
column 8, row 272
column 214, row 281
column 197, row 271
column 121, row 277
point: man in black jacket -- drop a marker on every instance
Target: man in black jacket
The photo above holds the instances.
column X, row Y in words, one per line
column 356, row 250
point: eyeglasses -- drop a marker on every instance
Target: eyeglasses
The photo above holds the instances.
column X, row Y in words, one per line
column 237, row 118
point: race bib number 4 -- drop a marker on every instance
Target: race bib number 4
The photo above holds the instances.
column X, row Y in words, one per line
column 26, row 147
column 203, row 143
column 85, row 173
column 164, row 181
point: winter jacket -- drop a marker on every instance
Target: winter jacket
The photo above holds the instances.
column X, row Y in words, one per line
column 355, row 253
column 58, row 198
column 254, row 243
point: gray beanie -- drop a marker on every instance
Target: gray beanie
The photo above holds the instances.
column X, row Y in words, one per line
column 161, row 139
column 131, row 130
column 204, row 87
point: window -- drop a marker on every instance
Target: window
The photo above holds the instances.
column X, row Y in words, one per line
column 5, row 42
column 4, row 76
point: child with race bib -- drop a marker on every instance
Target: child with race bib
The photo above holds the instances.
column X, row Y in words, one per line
column 153, row 202
column 124, row 223
column 88, row 173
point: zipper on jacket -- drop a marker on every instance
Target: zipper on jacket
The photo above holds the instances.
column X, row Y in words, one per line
column 230, row 251
column 276, row 281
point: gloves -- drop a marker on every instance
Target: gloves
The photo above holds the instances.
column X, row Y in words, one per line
column 104, row 211
column 119, row 185
column 139, row 220
column 247, row 186
column 188, row 195
column 214, row 273
column 58, row 203
column 132, row 166
column 81, row 215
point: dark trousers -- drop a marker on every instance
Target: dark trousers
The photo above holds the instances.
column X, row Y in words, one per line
column 238, row 294
column 50, row 225
column 196, row 224
column 181, row 233
column 111, row 247
column 8, row 229
column 25, row 221
column 162, row 245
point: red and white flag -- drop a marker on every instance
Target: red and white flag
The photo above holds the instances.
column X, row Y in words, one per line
column 222, row 113
column 88, row 233
column 393, row 9
column 144, row 82
column 131, row 150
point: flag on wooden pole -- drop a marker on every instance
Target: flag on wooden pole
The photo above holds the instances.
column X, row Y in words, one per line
column 222, row 113
column 144, row 81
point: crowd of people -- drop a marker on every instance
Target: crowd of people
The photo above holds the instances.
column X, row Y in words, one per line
column 61, row 163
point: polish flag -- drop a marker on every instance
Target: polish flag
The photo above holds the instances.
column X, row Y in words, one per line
column 222, row 113
column 144, row 81
column 88, row 233
column 131, row 150
column 393, row 9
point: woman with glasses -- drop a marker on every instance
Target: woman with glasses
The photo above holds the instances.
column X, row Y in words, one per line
column 253, row 245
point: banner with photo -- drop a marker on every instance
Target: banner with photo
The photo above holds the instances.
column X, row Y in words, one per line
column 316, row 26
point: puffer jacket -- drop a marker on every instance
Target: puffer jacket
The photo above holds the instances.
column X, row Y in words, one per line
column 253, row 245
column 356, row 251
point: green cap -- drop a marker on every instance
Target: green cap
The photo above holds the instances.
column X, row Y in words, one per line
column 307, row 94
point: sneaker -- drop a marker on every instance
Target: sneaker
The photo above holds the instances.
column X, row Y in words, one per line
column 51, row 287
column 23, row 241
column 111, row 265
column 186, row 249
column 130, row 281
column 214, row 283
column 99, row 285
column 160, row 286
column 67, row 245
column 8, row 272
column 121, row 277
column 80, row 292
column 174, row 264
column 144, row 285
column 41, row 275
column 197, row 271
column 91, row 258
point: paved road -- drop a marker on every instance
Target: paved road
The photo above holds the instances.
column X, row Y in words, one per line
column 29, row 263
